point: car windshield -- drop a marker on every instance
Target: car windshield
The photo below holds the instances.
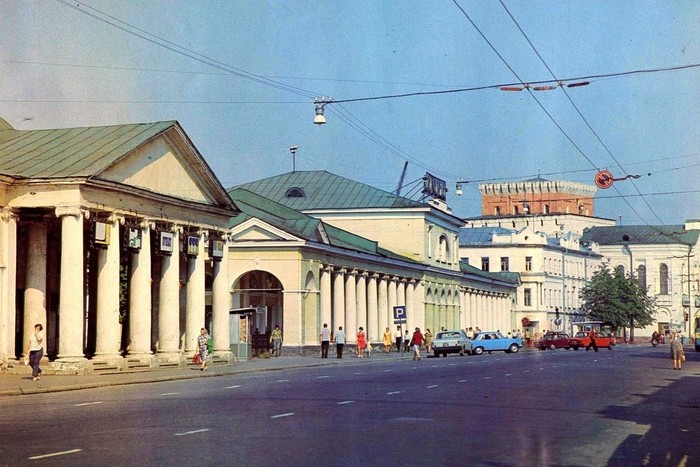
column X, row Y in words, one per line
column 448, row 335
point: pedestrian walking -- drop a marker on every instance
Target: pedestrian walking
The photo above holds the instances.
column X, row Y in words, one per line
column 406, row 341
column 428, row 336
column 592, row 335
column 361, row 342
column 417, row 341
column 398, row 338
column 276, row 341
column 339, row 342
column 386, row 340
column 325, row 338
column 203, row 347
column 677, row 352
column 35, row 350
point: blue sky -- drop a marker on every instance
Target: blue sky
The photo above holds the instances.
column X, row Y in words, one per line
column 61, row 67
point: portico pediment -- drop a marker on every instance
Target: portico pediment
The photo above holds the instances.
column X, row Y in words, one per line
column 255, row 230
column 160, row 167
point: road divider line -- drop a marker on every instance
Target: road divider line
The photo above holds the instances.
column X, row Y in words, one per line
column 346, row 402
column 462, row 381
column 192, row 432
column 322, row 377
column 431, row 386
column 54, row 454
column 87, row 403
column 282, row 381
column 509, row 374
column 170, row 394
column 233, row 387
column 288, row 414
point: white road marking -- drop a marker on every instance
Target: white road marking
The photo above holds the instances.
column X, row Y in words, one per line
column 462, row 381
column 453, row 364
column 282, row 381
column 393, row 392
column 431, row 386
column 526, row 371
column 192, row 432
column 509, row 374
column 54, row 454
column 170, row 394
column 288, row 414
column 233, row 387
column 321, row 377
column 346, row 402
column 387, row 371
column 87, row 403
column 487, row 377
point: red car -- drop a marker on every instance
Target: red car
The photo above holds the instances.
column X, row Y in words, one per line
column 601, row 341
column 559, row 340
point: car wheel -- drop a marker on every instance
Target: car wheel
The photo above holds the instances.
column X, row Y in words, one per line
column 513, row 348
column 567, row 348
column 551, row 346
column 576, row 347
column 436, row 353
column 610, row 346
column 461, row 352
column 478, row 351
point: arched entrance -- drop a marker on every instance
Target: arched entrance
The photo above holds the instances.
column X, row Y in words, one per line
column 263, row 291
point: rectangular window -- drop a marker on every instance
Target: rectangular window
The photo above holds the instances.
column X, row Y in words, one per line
column 504, row 263
column 528, row 297
column 528, row 263
column 485, row 263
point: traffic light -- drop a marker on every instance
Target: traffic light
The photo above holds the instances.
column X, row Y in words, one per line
column 686, row 316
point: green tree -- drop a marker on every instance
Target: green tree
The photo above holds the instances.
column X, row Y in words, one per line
column 617, row 299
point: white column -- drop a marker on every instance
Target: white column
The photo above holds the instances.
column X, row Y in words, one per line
column 140, row 296
column 71, row 306
column 108, row 330
column 361, row 296
column 8, row 284
column 383, row 304
column 350, row 306
column 372, row 311
column 326, row 296
column 169, row 301
column 194, row 302
column 391, row 299
column 35, row 281
column 339, row 301
column 419, row 304
column 411, row 304
column 221, row 303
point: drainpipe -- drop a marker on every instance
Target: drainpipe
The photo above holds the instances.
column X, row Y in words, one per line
column 629, row 252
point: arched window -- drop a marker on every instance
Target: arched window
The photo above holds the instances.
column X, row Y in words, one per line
column 620, row 271
column 642, row 276
column 497, row 211
column 295, row 192
column 516, row 211
column 663, row 279
column 443, row 249
column 546, row 208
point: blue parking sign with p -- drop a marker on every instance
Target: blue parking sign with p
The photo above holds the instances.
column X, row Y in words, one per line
column 399, row 314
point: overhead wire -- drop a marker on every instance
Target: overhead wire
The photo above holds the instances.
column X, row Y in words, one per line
column 580, row 114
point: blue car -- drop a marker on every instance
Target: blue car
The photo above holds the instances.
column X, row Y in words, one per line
column 493, row 340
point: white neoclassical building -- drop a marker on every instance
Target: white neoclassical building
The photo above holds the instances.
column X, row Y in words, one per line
column 313, row 248
column 103, row 235
column 552, row 272
column 664, row 259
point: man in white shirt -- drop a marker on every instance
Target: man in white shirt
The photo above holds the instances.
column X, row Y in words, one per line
column 325, row 340
column 36, row 350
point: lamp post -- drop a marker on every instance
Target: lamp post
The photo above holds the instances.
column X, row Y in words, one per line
column 293, row 150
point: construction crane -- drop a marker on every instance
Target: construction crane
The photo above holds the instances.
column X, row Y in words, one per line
column 397, row 192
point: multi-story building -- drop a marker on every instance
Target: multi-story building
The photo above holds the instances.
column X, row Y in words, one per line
column 552, row 272
column 664, row 259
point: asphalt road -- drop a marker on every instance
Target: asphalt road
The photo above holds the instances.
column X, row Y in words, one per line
column 620, row 407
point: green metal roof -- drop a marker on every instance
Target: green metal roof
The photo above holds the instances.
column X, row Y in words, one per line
column 640, row 235
column 324, row 190
column 70, row 152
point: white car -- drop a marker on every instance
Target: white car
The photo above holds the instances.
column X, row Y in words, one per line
column 451, row 342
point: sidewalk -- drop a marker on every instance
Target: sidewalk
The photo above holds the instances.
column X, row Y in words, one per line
column 14, row 385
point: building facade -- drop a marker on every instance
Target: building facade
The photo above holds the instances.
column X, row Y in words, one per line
column 342, row 253
column 107, row 252
column 552, row 272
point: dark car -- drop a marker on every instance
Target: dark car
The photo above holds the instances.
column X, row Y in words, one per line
column 559, row 340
